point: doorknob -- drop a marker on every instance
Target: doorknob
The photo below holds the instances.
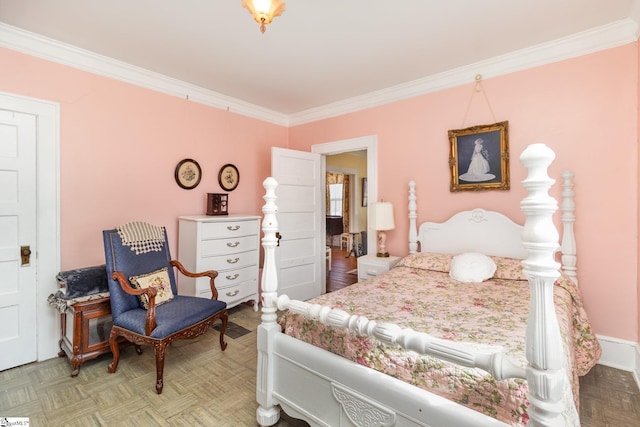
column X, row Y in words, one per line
column 25, row 254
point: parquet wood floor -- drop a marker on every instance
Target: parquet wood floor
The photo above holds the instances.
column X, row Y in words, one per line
column 207, row 387
column 609, row 398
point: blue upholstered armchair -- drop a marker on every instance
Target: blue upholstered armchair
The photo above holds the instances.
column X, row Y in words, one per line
column 145, row 304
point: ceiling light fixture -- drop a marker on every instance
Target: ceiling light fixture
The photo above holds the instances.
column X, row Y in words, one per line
column 264, row 11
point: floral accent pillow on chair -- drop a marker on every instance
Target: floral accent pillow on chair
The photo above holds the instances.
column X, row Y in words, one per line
column 158, row 279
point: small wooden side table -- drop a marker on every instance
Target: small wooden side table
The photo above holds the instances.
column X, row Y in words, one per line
column 354, row 245
column 84, row 329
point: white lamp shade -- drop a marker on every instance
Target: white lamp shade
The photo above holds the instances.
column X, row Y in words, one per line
column 383, row 216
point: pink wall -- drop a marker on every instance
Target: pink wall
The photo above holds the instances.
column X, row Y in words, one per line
column 584, row 108
column 119, row 146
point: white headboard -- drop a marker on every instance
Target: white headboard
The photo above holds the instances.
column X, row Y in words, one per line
column 489, row 232
column 478, row 230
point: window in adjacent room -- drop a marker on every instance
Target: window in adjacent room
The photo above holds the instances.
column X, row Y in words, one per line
column 335, row 199
column 338, row 197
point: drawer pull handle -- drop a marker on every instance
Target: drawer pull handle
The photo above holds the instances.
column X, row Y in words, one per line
column 234, row 293
column 233, row 261
column 372, row 272
column 233, row 227
column 233, row 245
column 234, row 277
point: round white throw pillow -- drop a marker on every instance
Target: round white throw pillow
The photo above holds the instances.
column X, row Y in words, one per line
column 472, row 267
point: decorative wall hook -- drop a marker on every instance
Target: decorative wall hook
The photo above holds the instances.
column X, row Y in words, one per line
column 478, row 88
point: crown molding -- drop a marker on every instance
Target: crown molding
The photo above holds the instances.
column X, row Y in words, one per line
column 611, row 35
column 42, row 47
column 600, row 38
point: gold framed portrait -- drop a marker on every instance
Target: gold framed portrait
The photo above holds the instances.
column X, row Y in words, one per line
column 479, row 157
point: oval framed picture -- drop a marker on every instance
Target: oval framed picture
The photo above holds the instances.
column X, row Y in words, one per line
column 188, row 174
column 229, row 177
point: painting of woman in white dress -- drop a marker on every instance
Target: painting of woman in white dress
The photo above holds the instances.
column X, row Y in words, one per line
column 479, row 157
column 479, row 169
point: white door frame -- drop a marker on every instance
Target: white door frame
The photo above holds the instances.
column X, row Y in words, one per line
column 369, row 143
column 48, row 213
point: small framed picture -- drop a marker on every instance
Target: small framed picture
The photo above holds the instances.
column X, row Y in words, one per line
column 228, row 177
column 479, row 157
column 188, row 174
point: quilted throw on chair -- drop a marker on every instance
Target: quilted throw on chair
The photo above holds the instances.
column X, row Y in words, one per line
column 142, row 237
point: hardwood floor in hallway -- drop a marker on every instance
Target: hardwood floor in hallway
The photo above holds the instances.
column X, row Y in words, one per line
column 341, row 266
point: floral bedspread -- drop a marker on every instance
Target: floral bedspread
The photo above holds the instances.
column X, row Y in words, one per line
column 418, row 293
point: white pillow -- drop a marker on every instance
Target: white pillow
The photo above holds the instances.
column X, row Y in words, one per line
column 472, row 267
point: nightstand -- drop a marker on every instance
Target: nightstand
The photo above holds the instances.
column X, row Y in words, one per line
column 370, row 265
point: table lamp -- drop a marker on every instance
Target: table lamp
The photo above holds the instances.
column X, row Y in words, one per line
column 383, row 221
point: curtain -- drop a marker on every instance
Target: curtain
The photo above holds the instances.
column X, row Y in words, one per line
column 346, row 192
column 340, row 178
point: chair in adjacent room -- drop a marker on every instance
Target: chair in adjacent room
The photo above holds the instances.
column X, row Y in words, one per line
column 145, row 306
column 346, row 239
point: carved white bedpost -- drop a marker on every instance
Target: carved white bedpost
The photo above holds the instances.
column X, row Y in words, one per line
column 544, row 351
column 268, row 413
column 413, row 215
column 568, row 218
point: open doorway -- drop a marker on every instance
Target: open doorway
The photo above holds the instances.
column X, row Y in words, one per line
column 351, row 160
column 345, row 217
column 345, row 204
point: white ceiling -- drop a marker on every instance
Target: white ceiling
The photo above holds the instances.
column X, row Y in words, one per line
column 318, row 52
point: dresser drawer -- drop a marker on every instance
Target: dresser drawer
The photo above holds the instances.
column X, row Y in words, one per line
column 212, row 247
column 215, row 230
column 234, row 294
column 232, row 277
column 368, row 271
column 228, row 278
column 229, row 261
column 371, row 266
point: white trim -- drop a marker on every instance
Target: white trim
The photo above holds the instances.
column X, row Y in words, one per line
column 62, row 53
column 48, row 199
column 636, row 373
column 620, row 354
column 600, row 38
column 369, row 143
column 596, row 39
column 343, row 170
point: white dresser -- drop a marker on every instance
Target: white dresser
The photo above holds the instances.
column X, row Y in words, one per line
column 228, row 244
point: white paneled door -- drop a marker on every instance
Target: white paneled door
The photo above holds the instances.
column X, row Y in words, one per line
column 301, row 250
column 18, row 221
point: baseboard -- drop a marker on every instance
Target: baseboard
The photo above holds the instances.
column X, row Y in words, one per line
column 621, row 354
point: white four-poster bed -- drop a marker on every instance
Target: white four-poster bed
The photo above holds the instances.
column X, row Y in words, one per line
column 326, row 389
